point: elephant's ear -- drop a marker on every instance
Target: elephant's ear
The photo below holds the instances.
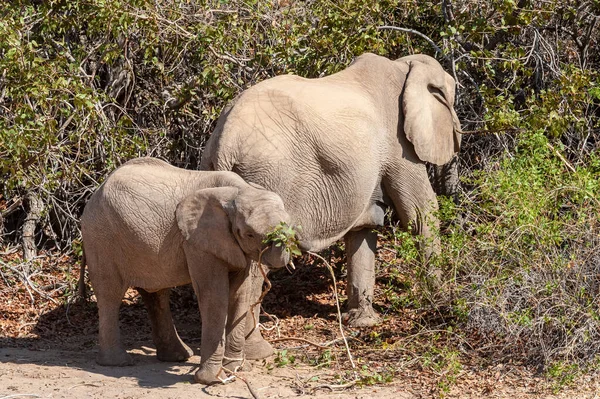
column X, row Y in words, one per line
column 206, row 226
column 430, row 122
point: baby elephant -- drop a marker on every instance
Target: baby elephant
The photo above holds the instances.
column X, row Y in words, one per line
column 153, row 226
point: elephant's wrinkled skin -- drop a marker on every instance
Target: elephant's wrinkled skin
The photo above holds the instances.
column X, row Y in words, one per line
column 338, row 149
column 154, row 226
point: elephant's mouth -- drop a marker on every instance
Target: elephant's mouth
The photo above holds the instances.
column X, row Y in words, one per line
column 275, row 257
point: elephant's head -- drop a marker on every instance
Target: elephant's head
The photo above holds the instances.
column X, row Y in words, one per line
column 256, row 212
column 231, row 224
column 430, row 122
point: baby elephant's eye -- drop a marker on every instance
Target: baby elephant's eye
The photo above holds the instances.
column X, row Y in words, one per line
column 250, row 235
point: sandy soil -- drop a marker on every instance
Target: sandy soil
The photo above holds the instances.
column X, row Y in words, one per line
column 55, row 373
column 48, row 372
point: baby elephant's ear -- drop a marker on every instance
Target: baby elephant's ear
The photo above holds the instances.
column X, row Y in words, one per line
column 205, row 225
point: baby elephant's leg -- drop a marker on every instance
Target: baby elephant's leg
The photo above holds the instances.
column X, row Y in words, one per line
column 169, row 347
column 235, row 333
column 255, row 347
column 109, row 290
column 211, row 285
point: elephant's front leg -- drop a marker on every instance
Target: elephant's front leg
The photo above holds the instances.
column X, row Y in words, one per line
column 240, row 301
column 361, row 247
column 210, row 279
column 256, row 347
column 416, row 205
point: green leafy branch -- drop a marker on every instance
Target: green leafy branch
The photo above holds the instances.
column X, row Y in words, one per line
column 284, row 235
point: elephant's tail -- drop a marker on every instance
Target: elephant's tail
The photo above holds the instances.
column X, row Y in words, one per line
column 81, row 285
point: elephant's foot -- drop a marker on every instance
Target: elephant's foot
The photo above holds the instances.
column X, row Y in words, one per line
column 236, row 364
column 366, row 317
column 210, row 375
column 114, row 357
column 176, row 352
column 257, row 347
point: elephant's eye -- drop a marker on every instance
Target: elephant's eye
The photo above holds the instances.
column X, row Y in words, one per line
column 250, row 235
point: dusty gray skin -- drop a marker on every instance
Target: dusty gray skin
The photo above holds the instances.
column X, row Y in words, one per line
column 154, row 226
column 339, row 149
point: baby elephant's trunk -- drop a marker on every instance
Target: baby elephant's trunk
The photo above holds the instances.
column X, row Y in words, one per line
column 276, row 257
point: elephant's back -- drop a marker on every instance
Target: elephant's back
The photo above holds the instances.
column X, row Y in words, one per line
column 137, row 201
column 130, row 221
column 289, row 115
column 140, row 198
column 288, row 97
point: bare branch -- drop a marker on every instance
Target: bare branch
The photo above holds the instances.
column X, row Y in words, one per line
column 413, row 32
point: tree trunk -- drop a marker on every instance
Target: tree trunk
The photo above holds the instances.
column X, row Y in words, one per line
column 34, row 214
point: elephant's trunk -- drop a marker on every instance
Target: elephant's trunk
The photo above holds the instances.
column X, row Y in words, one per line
column 445, row 179
column 276, row 257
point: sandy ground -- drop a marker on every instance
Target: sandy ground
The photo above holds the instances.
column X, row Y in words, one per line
column 52, row 373
column 58, row 373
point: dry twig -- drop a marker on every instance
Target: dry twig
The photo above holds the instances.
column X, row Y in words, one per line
column 337, row 304
column 265, row 291
column 332, row 387
column 300, row 340
column 250, row 388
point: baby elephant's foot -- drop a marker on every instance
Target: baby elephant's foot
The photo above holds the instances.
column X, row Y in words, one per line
column 210, row 375
column 177, row 352
column 366, row 317
column 236, row 364
column 114, row 357
column 258, row 348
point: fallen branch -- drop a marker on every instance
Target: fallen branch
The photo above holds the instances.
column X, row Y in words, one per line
column 10, row 251
column 335, row 387
column 26, row 280
column 275, row 321
column 326, row 345
column 85, row 384
column 567, row 163
column 300, row 340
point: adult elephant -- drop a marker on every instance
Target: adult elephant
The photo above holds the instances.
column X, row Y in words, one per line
column 339, row 149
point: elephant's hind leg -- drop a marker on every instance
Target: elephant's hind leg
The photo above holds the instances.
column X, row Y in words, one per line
column 360, row 249
column 109, row 293
column 169, row 347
